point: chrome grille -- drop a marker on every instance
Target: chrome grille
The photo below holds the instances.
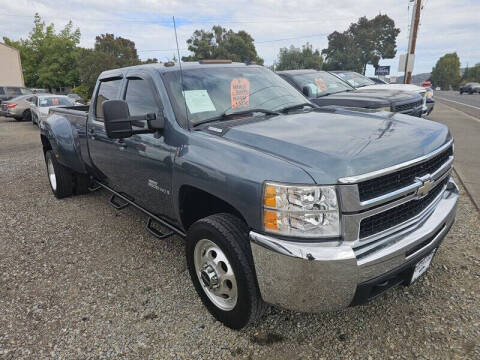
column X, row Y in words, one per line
column 407, row 106
column 399, row 214
column 384, row 184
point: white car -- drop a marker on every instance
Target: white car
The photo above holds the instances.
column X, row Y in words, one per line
column 359, row 81
column 42, row 103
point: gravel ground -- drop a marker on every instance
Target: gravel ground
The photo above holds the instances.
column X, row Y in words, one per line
column 80, row 280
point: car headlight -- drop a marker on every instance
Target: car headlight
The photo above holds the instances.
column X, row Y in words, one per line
column 300, row 211
column 384, row 108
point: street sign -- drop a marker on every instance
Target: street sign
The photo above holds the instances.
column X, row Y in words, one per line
column 382, row 70
column 403, row 59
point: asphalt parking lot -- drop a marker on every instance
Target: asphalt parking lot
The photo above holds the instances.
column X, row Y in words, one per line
column 80, row 280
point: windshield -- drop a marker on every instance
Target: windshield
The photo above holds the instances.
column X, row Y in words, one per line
column 210, row 92
column 54, row 101
column 355, row 79
column 321, row 83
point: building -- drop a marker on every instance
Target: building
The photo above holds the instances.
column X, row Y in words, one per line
column 10, row 66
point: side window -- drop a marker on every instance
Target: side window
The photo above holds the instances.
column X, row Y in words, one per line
column 108, row 91
column 140, row 97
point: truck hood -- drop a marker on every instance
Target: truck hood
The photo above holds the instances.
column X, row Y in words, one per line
column 333, row 143
column 398, row 87
column 370, row 98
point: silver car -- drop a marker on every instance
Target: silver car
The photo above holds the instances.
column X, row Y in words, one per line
column 42, row 104
column 18, row 107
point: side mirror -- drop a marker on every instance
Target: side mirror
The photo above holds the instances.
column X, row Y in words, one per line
column 118, row 122
column 117, row 119
column 307, row 91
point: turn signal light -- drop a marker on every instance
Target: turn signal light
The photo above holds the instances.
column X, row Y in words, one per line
column 270, row 220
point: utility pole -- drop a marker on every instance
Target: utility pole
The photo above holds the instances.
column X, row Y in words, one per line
column 412, row 42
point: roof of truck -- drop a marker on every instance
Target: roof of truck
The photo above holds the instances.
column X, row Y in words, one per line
column 162, row 67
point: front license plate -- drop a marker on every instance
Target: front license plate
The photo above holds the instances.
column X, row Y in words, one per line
column 422, row 266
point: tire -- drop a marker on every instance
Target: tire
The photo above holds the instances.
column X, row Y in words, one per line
column 18, row 118
column 461, row 92
column 224, row 237
column 26, row 116
column 60, row 178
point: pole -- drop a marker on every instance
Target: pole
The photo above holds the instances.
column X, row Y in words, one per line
column 413, row 39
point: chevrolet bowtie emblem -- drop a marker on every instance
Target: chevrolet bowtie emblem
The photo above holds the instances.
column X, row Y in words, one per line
column 427, row 184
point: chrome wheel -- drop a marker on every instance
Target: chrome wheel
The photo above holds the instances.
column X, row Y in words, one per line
column 51, row 174
column 215, row 274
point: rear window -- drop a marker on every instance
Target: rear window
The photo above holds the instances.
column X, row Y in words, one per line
column 108, row 91
column 14, row 91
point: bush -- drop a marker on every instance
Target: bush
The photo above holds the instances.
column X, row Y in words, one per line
column 83, row 91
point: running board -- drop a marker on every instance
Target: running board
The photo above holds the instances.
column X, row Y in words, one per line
column 155, row 232
column 94, row 188
column 116, row 204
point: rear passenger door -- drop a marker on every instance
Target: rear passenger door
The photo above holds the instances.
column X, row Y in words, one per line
column 147, row 159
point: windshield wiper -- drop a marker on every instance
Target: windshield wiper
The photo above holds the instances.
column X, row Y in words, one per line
column 226, row 114
column 297, row 106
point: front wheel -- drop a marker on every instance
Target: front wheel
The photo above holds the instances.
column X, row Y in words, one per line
column 220, row 263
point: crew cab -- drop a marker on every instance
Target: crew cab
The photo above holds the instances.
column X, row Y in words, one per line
column 280, row 202
column 323, row 88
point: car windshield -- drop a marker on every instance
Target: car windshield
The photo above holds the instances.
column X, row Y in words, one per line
column 210, row 92
column 321, row 83
column 54, row 101
column 355, row 79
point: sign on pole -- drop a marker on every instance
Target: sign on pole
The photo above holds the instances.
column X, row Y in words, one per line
column 382, row 70
column 403, row 59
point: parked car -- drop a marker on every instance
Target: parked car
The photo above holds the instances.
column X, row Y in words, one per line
column 18, row 107
column 470, row 88
column 323, row 88
column 39, row 91
column 430, row 100
column 42, row 103
column 279, row 201
column 76, row 98
column 359, row 81
column 377, row 80
column 9, row 92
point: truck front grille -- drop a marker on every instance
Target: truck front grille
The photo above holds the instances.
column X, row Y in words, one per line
column 407, row 106
column 387, row 183
column 399, row 214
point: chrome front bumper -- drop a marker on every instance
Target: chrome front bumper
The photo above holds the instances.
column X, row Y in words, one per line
column 313, row 277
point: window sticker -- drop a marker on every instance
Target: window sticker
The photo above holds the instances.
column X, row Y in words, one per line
column 321, row 84
column 198, row 101
column 55, row 101
column 240, row 93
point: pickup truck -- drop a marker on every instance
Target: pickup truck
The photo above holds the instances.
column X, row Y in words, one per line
column 323, row 89
column 280, row 202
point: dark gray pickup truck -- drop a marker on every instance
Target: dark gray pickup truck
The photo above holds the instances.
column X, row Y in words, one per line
column 280, row 202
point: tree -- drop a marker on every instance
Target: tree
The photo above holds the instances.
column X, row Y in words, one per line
column 109, row 52
column 294, row 58
column 220, row 43
column 446, row 72
column 365, row 42
column 471, row 74
column 48, row 58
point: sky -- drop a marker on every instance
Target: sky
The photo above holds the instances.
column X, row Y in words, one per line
column 445, row 25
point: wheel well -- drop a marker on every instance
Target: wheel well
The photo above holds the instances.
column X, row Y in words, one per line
column 45, row 144
column 196, row 204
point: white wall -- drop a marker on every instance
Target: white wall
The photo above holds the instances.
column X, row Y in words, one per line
column 10, row 67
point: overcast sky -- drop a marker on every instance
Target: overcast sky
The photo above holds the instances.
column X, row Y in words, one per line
column 446, row 25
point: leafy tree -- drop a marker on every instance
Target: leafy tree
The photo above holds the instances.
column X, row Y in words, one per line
column 109, row 52
column 365, row 42
column 471, row 74
column 220, row 43
column 150, row 61
column 446, row 72
column 294, row 58
column 48, row 58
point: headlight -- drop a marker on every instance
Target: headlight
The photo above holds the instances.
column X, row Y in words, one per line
column 301, row 211
column 384, row 108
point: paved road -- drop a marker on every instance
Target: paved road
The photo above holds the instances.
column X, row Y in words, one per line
column 467, row 103
column 465, row 129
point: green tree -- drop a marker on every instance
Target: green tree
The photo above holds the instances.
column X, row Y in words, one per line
column 294, row 58
column 471, row 74
column 48, row 58
column 109, row 52
column 220, row 43
column 365, row 42
column 446, row 72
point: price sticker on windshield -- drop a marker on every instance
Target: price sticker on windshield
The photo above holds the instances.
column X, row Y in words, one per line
column 55, row 101
column 321, row 84
column 240, row 93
